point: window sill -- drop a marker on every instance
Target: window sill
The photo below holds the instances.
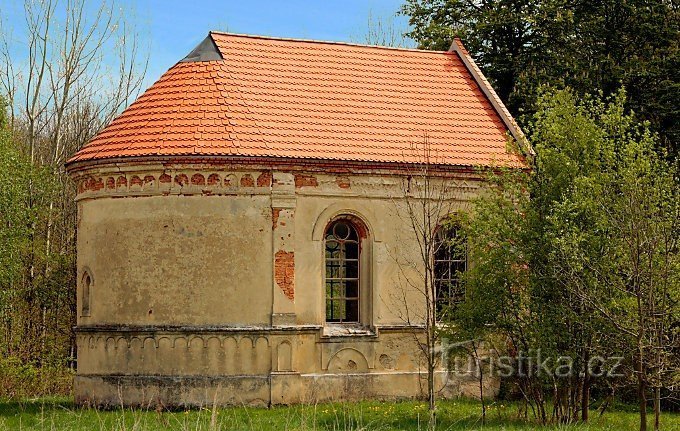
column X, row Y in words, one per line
column 338, row 330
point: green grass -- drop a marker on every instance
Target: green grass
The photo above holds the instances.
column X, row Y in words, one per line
column 61, row 414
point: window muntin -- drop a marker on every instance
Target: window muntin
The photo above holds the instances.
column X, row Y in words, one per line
column 342, row 272
column 450, row 261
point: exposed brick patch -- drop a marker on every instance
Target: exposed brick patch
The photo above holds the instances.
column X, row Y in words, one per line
column 165, row 178
column 197, row 180
column 213, row 180
column 247, row 181
column 136, row 181
column 110, row 183
column 275, row 217
column 122, row 181
column 342, row 182
column 181, row 179
column 305, row 181
column 149, row 179
column 284, row 272
column 265, row 179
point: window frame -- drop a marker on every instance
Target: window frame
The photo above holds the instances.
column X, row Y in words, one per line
column 353, row 236
column 456, row 264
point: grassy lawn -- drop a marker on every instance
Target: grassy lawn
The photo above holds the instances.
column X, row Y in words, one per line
column 61, row 414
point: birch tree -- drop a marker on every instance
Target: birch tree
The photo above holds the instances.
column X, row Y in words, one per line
column 426, row 204
column 83, row 63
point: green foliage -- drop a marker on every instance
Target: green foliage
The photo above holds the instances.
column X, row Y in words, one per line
column 15, row 219
column 19, row 380
column 571, row 257
column 590, row 46
column 32, row 277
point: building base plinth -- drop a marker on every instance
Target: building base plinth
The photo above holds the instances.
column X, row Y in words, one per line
column 278, row 388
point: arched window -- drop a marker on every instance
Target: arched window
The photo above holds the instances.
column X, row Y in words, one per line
column 450, row 261
column 342, row 272
column 85, row 304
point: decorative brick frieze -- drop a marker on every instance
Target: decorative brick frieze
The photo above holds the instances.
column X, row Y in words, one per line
column 184, row 182
column 207, row 180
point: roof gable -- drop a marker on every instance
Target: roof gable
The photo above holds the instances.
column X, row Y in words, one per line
column 269, row 97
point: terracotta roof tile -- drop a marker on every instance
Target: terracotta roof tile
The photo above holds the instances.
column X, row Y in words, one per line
column 304, row 99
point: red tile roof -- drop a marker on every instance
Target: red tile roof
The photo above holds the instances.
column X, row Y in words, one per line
column 272, row 97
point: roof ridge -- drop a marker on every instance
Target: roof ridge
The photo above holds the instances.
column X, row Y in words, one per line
column 326, row 42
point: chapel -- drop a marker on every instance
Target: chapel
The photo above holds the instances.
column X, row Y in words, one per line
column 241, row 237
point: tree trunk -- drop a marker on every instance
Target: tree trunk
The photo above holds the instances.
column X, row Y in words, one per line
column 431, row 402
column 642, row 393
column 585, row 397
column 481, row 388
column 657, row 407
column 432, row 420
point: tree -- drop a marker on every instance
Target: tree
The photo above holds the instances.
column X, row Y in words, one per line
column 630, row 209
column 83, row 65
column 586, row 45
column 583, row 247
column 501, row 298
column 383, row 32
column 426, row 203
column 15, row 171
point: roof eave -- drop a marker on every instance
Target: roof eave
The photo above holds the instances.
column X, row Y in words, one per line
column 74, row 166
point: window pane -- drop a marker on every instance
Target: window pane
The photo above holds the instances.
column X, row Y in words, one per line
column 352, row 250
column 441, row 270
column 335, row 288
column 338, row 310
column 351, row 289
column 329, row 310
column 341, row 230
column 352, row 269
column 334, row 269
column 352, row 311
column 332, row 249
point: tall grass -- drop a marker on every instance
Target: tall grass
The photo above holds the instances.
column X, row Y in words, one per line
column 60, row 414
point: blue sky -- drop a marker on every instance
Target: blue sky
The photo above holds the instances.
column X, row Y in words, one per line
column 174, row 27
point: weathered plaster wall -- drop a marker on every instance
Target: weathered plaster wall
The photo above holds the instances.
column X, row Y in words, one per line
column 208, row 278
column 177, row 259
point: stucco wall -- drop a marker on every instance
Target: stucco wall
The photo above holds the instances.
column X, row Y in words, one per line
column 206, row 277
column 177, row 259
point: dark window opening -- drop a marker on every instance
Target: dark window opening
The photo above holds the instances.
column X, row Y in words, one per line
column 342, row 272
column 87, row 281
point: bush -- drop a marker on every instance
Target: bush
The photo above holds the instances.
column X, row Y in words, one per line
column 20, row 380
